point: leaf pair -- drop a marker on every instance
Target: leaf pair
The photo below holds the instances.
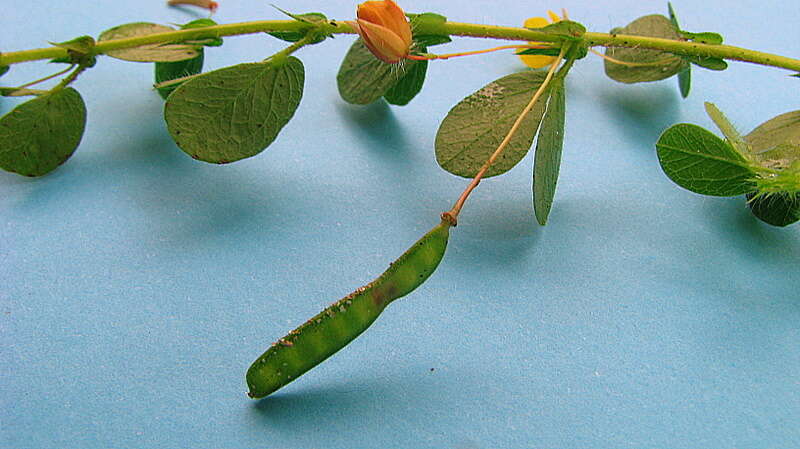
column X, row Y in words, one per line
column 475, row 127
column 765, row 164
column 637, row 65
column 364, row 79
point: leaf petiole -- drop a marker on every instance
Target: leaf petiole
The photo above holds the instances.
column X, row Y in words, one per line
column 46, row 78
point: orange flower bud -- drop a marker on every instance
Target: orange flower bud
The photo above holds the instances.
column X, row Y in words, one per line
column 384, row 29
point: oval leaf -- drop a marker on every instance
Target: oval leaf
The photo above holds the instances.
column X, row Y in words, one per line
column 363, row 78
column 715, row 64
column 685, row 81
column 547, row 159
column 235, row 112
column 475, row 127
column 409, row 85
column 777, row 209
column 697, row 160
column 150, row 52
column 776, row 142
column 39, row 135
column 652, row 65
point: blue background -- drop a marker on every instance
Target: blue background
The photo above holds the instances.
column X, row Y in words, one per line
column 137, row 285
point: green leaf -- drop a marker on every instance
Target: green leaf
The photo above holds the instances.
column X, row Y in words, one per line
column 4, row 69
column 685, row 75
column 203, row 23
column 311, row 18
column 79, row 51
column 652, row 65
column 234, row 112
column 474, row 128
column 39, row 135
column 363, row 78
column 427, row 20
column 777, row 209
column 547, row 159
column 540, row 51
column 685, row 81
column 776, row 142
column 168, row 71
column 703, row 38
column 727, row 129
column 567, row 29
column 82, row 44
column 149, row 52
column 429, row 40
column 673, row 18
column 698, row 160
column 715, row 64
column 409, row 85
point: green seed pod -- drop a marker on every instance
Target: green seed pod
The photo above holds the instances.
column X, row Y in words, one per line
column 336, row 326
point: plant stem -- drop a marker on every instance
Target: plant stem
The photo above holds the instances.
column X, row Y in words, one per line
column 452, row 215
column 683, row 48
column 307, row 39
column 48, row 77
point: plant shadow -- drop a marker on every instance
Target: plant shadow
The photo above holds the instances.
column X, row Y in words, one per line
column 335, row 405
column 643, row 113
column 376, row 126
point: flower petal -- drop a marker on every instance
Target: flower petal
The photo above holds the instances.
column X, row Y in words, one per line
column 536, row 22
column 382, row 42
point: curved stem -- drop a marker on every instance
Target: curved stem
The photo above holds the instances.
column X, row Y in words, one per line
column 452, row 214
column 683, row 48
column 48, row 77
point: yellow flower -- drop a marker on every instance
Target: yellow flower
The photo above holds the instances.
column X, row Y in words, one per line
column 539, row 61
column 384, row 29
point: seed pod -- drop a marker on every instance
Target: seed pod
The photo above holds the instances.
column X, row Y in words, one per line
column 335, row 327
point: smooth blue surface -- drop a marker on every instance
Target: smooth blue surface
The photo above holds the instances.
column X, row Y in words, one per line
column 137, row 285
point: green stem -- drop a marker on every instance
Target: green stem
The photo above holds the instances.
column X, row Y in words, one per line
column 69, row 78
column 310, row 37
column 46, row 78
column 683, row 48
